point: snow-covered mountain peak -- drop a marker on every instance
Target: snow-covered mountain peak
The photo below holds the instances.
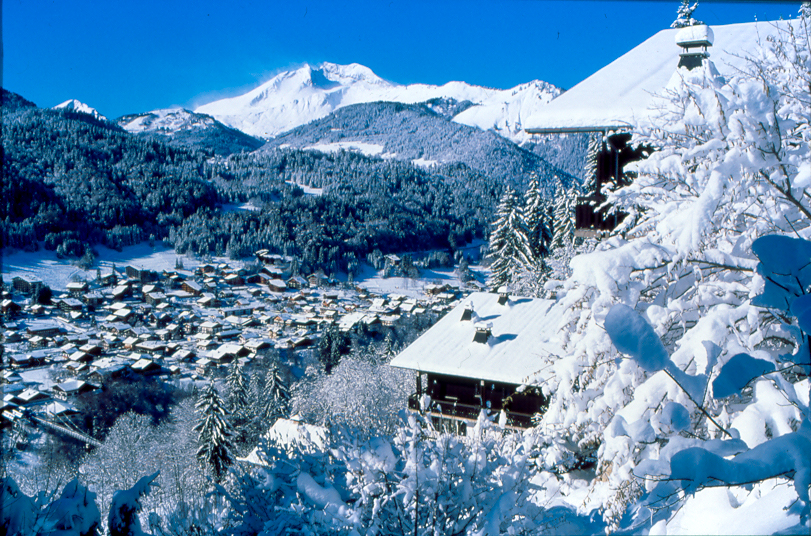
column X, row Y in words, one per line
column 74, row 105
column 296, row 97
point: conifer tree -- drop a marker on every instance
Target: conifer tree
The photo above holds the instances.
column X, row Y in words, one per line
column 536, row 220
column 595, row 147
column 510, row 250
column 278, row 395
column 237, row 390
column 685, row 17
column 215, row 434
column 564, row 213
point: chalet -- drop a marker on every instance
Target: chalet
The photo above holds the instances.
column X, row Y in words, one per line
column 317, row 279
column 26, row 283
column 77, row 288
column 477, row 357
column 140, row 274
column 93, row 300
column 44, row 329
column 297, row 282
column 622, row 94
column 70, row 388
column 146, row 367
column 210, row 327
column 31, row 397
column 192, row 287
column 234, row 280
column 276, row 285
column 9, row 307
column 69, row 304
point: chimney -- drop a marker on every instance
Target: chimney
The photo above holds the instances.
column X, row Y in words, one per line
column 483, row 331
column 503, row 295
column 467, row 313
column 694, row 40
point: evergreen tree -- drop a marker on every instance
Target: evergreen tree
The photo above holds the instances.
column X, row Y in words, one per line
column 215, row 434
column 509, row 249
column 538, row 232
column 237, row 391
column 564, row 214
column 590, row 185
column 685, row 17
column 278, row 395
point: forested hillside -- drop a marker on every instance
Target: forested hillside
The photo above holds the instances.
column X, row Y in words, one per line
column 426, row 133
column 73, row 181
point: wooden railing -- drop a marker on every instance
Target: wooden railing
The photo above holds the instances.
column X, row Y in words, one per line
column 458, row 410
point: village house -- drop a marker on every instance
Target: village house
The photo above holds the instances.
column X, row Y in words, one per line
column 478, row 357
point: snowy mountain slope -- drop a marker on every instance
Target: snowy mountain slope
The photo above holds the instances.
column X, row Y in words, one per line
column 168, row 120
column 417, row 134
column 183, row 127
column 74, row 105
column 296, row 97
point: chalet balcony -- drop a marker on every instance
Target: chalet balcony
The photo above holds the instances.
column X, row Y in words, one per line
column 451, row 409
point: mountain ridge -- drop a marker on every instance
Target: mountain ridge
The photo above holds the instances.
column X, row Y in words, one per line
column 296, row 97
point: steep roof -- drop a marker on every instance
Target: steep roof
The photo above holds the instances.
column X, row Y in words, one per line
column 621, row 93
column 522, row 339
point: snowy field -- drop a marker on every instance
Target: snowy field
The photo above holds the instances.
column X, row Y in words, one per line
column 57, row 273
column 375, row 283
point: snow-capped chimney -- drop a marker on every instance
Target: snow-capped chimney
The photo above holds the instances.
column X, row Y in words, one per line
column 483, row 331
column 694, row 40
column 503, row 295
column 467, row 313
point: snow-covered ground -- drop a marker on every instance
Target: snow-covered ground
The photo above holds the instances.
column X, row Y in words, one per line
column 308, row 189
column 368, row 149
column 57, row 273
column 374, row 282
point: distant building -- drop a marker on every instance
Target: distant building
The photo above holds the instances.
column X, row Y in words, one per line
column 26, row 283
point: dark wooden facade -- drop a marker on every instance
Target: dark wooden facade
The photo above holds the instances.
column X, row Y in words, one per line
column 457, row 401
column 590, row 214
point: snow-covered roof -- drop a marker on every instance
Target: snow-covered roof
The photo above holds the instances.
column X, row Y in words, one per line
column 289, row 433
column 621, row 93
column 522, row 337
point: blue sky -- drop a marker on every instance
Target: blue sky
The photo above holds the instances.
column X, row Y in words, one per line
column 126, row 56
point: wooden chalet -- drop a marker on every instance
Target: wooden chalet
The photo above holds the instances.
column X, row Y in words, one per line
column 477, row 357
column 623, row 94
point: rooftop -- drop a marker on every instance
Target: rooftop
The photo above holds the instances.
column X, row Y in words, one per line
column 522, row 336
column 621, row 93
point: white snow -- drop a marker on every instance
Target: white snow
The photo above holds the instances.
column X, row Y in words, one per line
column 621, row 93
column 523, row 337
column 309, row 190
column 165, row 121
column 296, row 97
column 57, row 273
column 367, row 149
column 74, row 105
column 424, row 163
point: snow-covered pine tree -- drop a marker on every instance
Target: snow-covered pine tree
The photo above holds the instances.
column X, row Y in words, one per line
column 595, row 147
column 278, row 395
column 538, row 230
column 509, row 249
column 685, row 17
column 564, row 212
column 237, row 390
column 214, row 433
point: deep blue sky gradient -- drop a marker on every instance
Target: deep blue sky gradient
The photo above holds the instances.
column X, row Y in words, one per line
column 126, row 56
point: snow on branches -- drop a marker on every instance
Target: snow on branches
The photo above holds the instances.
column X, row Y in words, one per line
column 730, row 165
